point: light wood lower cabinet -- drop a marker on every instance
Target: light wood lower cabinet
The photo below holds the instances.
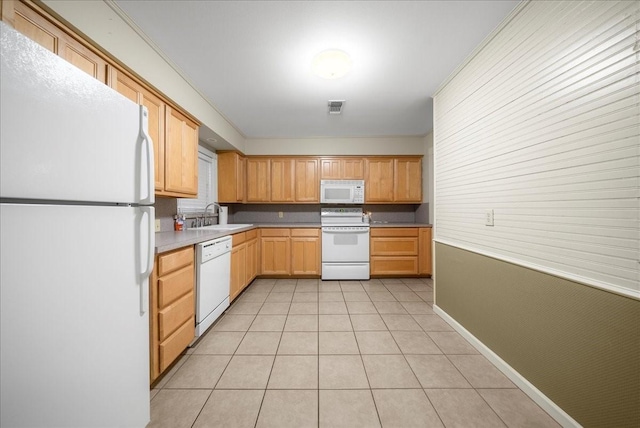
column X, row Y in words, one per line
column 305, row 251
column 172, row 307
column 238, row 265
column 425, row 258
column 394, row 251
column 275, row 249
column 244, row 261
column 253, row 255
column 286, row 252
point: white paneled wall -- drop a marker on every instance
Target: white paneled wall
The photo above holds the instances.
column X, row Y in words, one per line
column 542, row 126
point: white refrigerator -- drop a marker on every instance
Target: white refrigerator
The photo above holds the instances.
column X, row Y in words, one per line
column 77, row 244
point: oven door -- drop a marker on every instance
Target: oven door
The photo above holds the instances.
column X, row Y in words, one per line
column 345, row 244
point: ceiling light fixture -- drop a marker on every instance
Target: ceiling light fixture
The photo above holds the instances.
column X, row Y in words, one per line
column 331, row 64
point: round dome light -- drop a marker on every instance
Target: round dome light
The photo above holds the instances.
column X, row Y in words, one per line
column 331, row 64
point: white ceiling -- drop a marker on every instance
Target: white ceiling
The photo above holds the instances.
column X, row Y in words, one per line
column 251, row 59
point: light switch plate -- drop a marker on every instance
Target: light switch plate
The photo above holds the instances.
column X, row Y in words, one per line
column 488, row 218
column 157, row 225
column 280, row 214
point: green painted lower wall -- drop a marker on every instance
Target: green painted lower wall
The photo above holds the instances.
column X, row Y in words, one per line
column 579, row 345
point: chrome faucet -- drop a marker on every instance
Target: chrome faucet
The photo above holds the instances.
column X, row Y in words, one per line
column 204, row 214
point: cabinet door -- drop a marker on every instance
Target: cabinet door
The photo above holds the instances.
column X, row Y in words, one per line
column 36, row 27
column 181, row 154
column 53, row 38
column 276, row 255
column 379, row 180
column 307, row 182
column 238, row 270
column 231, row 177
column 241, row 178
column 138, row 94
column 252, row 261
column 282, row 176
column 407, row 180
column 425, row 259
column 258, row 178
column 330, row 169
column 352, row 169
column 305, row 256
column 397, row 265
column 82, row 57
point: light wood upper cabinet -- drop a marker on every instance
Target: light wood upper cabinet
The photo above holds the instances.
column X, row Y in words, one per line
column 137, row 93
column 342, row 168
column 330, row 169
column 307, row 184
column 393, row 179
column 353, row 169
column 231, row 177
column 258, row 180
column 378, row 180
column 282, row 179
column 407, row 180
column 181, row 155
column 50, row 35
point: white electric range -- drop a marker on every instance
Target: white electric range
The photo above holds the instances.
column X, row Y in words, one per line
column 345, row 244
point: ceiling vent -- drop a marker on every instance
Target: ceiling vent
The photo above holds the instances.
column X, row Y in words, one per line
column 335, row 106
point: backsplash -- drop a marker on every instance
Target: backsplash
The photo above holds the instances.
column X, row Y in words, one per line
column 166, row 208
column 269, row 213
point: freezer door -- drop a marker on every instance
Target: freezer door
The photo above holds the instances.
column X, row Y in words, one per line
column 74, row 341
column 65, row 136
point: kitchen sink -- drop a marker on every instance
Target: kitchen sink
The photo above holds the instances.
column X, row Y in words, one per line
column 222, row 227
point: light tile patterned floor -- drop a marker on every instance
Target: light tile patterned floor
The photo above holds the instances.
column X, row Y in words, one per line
column 311, row 353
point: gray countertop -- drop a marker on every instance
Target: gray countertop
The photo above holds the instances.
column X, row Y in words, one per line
column 167, row 241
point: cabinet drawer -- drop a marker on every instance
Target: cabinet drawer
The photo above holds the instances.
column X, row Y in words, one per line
column 252, row 234
column 394, row 246
column 174, row 285
column 168, row 262
column 394, row 265
column 274, row 232
column 394, row 231
column 238, row 238
column 176, row 343
column 174, row 315
column 306, row 232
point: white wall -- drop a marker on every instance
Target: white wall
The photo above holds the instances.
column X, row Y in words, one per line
column 427, row 174
column 101, row 23
column 336, row 146
column 542, row 127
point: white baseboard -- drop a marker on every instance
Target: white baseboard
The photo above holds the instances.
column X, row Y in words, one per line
column 527, row 387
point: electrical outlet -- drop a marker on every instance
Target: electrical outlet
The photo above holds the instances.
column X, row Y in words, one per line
column 280, row 214
column 157, row 225
column 488, row 221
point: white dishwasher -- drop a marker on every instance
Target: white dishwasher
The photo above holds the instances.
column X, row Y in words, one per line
column 213, row 276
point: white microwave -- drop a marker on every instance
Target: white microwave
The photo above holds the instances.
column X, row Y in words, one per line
column 342, row 191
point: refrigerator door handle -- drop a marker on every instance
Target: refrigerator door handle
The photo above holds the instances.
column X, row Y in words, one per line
column 144, row 276
column 144, row 126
